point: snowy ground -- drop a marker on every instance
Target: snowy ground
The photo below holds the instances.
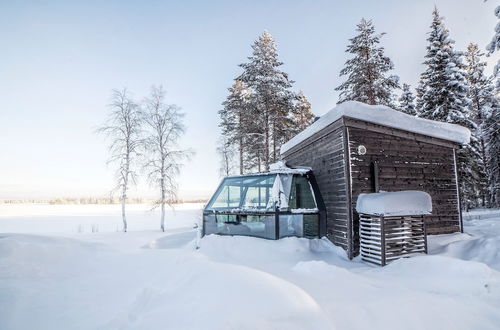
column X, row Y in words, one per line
column 55, row 273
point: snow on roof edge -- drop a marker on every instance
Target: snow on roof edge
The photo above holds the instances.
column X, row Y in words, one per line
column 385, row 116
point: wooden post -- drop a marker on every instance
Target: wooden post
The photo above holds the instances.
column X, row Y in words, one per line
column 425, row 234
column 459, row 198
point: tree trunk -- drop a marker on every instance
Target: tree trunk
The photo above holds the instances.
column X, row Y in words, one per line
column 124, row 200
column 162, row 215
column 241, row 155
column 240, row 140
column 274, row 141
column 485, row 195
column 266, row 143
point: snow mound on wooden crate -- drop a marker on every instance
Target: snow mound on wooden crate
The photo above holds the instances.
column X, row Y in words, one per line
column 409, row 202
column 382, row 115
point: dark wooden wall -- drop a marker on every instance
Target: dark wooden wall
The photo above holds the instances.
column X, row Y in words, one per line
column 324, row 153
column 406, row 161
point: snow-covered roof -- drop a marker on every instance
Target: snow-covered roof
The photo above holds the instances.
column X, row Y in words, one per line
column 382, row 115
column 409, row 202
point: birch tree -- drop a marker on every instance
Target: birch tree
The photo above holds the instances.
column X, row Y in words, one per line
column 164, row 127
column 123, row 130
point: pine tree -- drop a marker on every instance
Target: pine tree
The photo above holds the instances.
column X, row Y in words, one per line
column 234, row 118
column 367, row 71
column 443, row 97
column 407, row 101
column 483, row 104
column 302, row 115
column 271, row 101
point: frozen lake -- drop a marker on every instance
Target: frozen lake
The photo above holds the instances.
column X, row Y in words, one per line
column 71, row 219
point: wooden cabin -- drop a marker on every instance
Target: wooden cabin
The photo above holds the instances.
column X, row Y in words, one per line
column 357, row 148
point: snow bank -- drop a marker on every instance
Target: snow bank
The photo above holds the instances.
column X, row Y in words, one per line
column 409, row 202
column 58, row 283
column 480, row 242
column 50, row 282
column 382, row 115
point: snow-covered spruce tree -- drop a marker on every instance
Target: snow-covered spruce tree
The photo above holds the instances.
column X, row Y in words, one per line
column 367, row 71
column 123, row 129
column 491, row 125
column 494, row 46
column 164, row 127
column 443, row 89
column 482, row 107
column 407, row 101
column 271, row 101
column 234, row 118
column 420, row 90
column 443, row 97
column 491, row 134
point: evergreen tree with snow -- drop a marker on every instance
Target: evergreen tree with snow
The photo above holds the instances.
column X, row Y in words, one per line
column 494, row 46
column 235, row 116
column 491, row 125
column 442, row 85
column 491, row 134
column 407, row 101
column 302, row 115
column 271, row 103
column 482, row 107
column 367, row 72
column 444, row 97
column 420, row 90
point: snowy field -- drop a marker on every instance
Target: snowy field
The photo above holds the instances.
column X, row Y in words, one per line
column 67, row 267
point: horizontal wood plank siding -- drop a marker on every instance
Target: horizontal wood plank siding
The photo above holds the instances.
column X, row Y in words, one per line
column 406, row 162
column 324, row 153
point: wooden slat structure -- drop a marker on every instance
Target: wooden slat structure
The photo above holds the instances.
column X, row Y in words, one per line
column 404, row 161
column 385, row 239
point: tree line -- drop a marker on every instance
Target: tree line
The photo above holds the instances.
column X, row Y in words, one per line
column 143, row 137
column 261, row 112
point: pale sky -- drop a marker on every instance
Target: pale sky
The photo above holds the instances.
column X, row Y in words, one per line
column 61, row 59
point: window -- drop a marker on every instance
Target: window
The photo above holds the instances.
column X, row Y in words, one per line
column 291, row 225
column 263, row 226
column 301, row 195
column 243, row 192
column 300, row 225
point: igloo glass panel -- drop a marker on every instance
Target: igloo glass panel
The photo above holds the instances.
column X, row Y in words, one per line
column 250, row 192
